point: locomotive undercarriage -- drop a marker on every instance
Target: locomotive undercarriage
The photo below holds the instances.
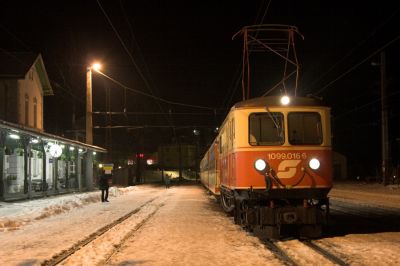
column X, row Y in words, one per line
column 272, row 217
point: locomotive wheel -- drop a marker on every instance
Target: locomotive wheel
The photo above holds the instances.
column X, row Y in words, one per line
column 323, row 206
column 242, row 213
column 227, row 203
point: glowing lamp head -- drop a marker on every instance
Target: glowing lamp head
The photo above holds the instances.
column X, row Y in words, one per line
column 285, row 100
column 260, row 165
column 96, row 66
column 314, row 164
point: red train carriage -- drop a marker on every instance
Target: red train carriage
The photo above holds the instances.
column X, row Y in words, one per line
column 271, row 165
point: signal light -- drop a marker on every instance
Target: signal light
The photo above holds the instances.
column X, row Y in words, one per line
column 139, row 155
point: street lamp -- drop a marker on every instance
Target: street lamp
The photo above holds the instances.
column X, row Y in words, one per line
column 96, row 66
column 89, row 119
column 89, row 124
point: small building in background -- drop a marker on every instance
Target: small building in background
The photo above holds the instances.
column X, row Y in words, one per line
column 182, row 158
column 177, row 156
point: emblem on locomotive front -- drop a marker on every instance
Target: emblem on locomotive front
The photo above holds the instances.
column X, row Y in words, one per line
column 287, row 168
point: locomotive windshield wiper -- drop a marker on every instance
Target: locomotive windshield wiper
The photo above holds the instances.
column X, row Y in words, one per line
column 276, row 123
column 272, row 118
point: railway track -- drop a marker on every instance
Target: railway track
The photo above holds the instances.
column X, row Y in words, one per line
column 289, row 252
column 363, row 218
column 324, row 252
column 279, row 253
column 283, row 254
column 365, row 211
column 117, row 248
column 63, row 256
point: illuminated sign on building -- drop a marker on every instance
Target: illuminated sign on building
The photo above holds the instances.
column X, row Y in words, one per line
column 55, row 150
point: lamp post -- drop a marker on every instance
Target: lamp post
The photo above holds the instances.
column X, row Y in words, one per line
column 89, row 125
column 89, row 105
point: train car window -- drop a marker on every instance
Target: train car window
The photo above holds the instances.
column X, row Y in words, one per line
column 220, row 144
column 211, row 160
column 233, row 128
column 266, row 129
column 305, row 128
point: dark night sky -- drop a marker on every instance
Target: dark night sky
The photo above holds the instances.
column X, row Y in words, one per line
column 185, row 51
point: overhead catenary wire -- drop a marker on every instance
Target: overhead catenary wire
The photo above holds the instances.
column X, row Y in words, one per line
column 154, row 113
column 124, row 46
column 238, row 74
column 26, row 46
column 233, row 88
column 265, row 12
column 139, row 53
column 131, row 57
column 335, row 117
column 374, row 31
column 153, row 126
column 358, row 64
column 152, row 96
column 56, row 84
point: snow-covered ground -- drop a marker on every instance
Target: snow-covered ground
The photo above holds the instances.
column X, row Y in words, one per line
column 381, row 247
column 369, row 193
column 181, row 226
column 14, row 215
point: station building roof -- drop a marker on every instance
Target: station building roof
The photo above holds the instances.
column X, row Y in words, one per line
column 15, row 66
column 4, row 125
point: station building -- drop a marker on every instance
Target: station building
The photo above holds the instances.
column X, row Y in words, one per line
column 34, row 163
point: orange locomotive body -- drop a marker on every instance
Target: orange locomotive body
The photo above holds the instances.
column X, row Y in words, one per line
column 271, row 165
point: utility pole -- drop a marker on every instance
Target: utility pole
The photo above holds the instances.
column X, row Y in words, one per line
column 180, row 158
column 89, row 129
column 89, row 122
column 384, row 126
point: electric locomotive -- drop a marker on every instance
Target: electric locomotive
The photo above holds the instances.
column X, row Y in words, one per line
column 271, row 165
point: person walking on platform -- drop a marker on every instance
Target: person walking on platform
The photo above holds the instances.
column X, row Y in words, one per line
column 104, row 186
column 167, row 180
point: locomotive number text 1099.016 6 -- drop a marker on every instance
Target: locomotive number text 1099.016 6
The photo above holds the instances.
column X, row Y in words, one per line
column 287, row 156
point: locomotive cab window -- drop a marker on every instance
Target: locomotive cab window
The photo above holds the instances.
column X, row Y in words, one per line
column 266, row 129
column 305, row 128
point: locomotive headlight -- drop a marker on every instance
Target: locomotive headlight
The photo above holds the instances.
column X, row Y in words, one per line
column 285, row 100
column 314, row 164
column 260, row 165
